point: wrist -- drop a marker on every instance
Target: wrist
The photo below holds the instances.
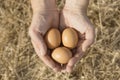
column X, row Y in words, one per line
column 77, row 5
column 76, row 10
column 43, row 5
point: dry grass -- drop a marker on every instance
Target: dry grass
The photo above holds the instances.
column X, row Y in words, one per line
column 18, row 60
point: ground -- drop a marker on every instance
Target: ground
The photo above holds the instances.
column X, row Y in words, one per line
column 18, row 60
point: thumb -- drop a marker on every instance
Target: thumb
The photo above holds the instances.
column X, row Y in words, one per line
column 86, row 44
column 89, row 39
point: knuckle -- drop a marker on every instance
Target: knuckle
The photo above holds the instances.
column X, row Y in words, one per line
column 91, row 41
column 31, row 31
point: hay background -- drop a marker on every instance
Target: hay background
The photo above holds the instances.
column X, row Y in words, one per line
column 18, row 60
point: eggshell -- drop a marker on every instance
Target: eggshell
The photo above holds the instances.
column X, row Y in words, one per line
column 53, row 38
column 62, row 55
column 69, row 38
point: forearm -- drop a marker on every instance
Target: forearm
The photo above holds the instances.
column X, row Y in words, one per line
column 43, row 5
column 78, row 5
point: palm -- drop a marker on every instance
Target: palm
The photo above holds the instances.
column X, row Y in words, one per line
column 43, row 21
column 78, row 21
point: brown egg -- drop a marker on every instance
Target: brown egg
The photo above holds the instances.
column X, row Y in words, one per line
column 70, row 38
column 62, row 55
column 53, row 38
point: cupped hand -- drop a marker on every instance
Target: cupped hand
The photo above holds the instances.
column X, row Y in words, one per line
column 78, row 20
column 42, row 21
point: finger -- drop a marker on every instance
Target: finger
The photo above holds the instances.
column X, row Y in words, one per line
column 73, row 61
column 38, row 39
column 63, row 68
column 89, row 38
column 46, row 59
column 49, row 62
column 69, row 67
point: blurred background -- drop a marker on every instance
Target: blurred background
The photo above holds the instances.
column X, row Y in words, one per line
column 18, row 60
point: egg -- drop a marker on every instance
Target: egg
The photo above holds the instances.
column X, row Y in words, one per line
column 53, row 38
column 70, row 38
column 61, row 55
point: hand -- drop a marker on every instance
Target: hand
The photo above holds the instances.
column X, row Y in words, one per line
column 76, row 18
column 42, row 20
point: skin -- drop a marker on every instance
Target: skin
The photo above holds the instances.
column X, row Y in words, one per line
column 46, row 15
column 74, row 14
